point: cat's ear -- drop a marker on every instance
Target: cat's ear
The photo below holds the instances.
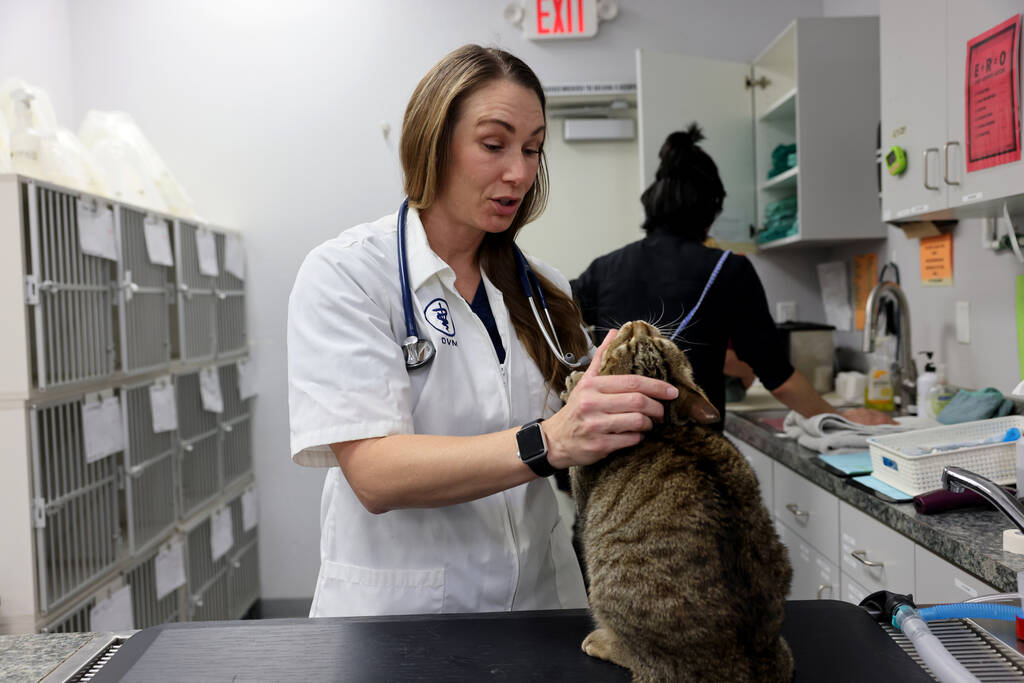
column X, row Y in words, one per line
column 697, row 407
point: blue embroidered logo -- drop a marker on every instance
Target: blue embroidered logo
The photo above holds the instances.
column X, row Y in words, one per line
column 439, row 317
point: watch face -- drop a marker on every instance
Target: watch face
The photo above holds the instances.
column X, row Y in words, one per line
column 531, row 442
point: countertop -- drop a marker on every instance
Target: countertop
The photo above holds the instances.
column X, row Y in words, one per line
column 971, row 538
column 32, row 656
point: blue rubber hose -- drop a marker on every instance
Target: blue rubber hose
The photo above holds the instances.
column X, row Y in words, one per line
column 971, row 610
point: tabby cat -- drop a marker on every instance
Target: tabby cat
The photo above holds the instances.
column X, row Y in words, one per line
column 687, row 577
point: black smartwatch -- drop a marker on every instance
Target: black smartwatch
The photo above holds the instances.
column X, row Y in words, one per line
column 533, row 449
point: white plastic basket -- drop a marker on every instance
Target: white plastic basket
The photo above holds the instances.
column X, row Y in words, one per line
column 916, row 474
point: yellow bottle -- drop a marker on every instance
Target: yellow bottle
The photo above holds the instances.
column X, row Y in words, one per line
column 879, row 392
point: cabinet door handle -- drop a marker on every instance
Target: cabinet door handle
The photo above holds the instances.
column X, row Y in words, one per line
column 926, row 153
column 822, row 587
column 945, row 168
column 797, row 512
column 862, row 557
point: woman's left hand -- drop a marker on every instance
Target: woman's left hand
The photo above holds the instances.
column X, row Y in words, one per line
column 867, row 416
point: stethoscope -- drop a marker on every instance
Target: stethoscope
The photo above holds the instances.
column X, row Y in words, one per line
column 419, row 352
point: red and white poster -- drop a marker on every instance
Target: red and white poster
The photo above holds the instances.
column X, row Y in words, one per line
column 993, row 97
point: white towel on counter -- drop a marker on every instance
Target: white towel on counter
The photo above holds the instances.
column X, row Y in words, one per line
column 832, row 433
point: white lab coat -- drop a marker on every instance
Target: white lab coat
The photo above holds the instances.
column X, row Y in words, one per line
column 347, row 380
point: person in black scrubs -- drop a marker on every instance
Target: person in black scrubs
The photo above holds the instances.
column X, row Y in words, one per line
column 661, row 277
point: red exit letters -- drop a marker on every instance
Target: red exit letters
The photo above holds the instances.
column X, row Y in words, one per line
column 556, row 17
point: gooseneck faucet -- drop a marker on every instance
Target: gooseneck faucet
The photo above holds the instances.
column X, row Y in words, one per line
column 904, row 370
column 956, row 479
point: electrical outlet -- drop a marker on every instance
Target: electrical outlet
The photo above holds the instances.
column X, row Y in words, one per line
column 785, row 311
column 963, row 322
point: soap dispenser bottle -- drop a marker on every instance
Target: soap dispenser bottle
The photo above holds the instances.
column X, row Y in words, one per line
column 925, row 381
column 940, row 394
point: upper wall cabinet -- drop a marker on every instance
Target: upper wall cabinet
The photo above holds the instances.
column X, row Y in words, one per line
column 924, row 53
column 793, row 134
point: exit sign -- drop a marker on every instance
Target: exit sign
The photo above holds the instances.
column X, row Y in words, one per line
column 547, row 19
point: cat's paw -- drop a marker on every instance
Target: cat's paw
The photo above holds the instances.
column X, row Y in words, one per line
column 570, row 384
column 599, row 644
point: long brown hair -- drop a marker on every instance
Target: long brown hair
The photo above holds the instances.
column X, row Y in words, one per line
column 425, row 152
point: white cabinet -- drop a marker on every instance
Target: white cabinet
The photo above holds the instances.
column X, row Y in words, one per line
column 938, row 581
column 815, row 85
column 924, row 50
column 851, row 591
column 762, row 466
column 808, row 510
column 814, row 576
column 874, row 555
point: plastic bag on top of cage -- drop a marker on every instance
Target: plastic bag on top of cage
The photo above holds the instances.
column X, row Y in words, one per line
column 124, row 175
column 100, row 127
column 42, row 117
column 65, row 161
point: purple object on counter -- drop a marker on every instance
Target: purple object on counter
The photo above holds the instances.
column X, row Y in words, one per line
column 941, row 500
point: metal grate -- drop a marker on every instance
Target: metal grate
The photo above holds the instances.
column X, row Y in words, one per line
column 146, row 294
column 88, row 672
column 199, row 562
column 241, row 537
column 73, row 316
column 981, row 654
column 150, row 469
column 244, row 579
column 78, row 620
column 193, row 420
column 76, row 503
column 231, row 330
column 146, row 609
column 236, row 426
column 197, row 302
column 198, row 473
column 213, row 602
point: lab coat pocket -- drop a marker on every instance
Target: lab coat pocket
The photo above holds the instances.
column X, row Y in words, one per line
column 568, row 578
column 345, row 590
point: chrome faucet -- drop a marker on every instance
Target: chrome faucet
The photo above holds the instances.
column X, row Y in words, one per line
column 904, row 370
column 956, row 479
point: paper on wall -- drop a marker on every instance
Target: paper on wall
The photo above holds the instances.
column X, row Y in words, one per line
column 114, row 613
column 234, row 256
column 170, row 569
column 163, row 405
column 158, row 241
column 222, row 535
column 96, row 230
column 209, row 390
column 250, row 510
column 835, row 293
column 246, row 379
column 102, row 428
column 206, row 249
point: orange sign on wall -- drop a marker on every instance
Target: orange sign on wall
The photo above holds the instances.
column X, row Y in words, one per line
column 937, row 261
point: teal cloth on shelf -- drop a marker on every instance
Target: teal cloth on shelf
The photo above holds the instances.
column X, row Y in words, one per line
column 780, row 220
column 967, row 406
column 783, row 159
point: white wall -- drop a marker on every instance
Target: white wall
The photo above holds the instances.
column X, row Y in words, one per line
column 270, row 115
column 35, row 45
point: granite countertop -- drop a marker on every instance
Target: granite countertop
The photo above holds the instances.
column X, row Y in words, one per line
column 32, row 656
column 971, row 538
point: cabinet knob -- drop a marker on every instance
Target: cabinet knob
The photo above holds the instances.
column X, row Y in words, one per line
column 822, row 588
column 862, row 557
column 797, row 512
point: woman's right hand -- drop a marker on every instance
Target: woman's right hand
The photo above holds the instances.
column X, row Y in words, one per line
column 604, row 414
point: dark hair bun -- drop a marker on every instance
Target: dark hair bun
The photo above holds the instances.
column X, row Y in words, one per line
column 677, row 148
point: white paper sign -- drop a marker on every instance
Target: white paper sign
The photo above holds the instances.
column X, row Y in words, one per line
column 234, row 256
column 250, row 510
column 96, row 231
column 158, row 241
column 209, row 390
column 170, row 569
column 835, row 294
column 222, row 536
column 246, row 379
column 102, row 428
column 113, row 614
column 206, row 248
column 164, row 408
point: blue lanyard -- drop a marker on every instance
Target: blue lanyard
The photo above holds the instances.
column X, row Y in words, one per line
column 711, row 280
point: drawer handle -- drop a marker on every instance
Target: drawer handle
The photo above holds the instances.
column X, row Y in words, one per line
column 822, row 587
column 797, row 512
column 862, row 557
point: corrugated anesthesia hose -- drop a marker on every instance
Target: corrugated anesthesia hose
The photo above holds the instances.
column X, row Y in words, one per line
column 943, row 665
column 971, row 610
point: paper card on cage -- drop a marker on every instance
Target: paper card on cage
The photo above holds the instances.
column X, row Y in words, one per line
column 209, row 390
column 250, row 510
column 234, row 256
column 206, row 248
column 158, row 241
column 222, row 535
column 113, row 613
column 163, row 405
column 246, row 379
column 96, row 230
column 170, row 569
column 102, row 428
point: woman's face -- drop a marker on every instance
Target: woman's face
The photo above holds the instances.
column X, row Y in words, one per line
column 495, row 154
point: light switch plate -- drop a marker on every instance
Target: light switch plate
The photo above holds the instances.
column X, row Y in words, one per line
column 785, row 311
column 963, row 322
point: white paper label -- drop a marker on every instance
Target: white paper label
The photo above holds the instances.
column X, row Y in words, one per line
column 234, row 256
column 113, row 614
column 96, row 231
column 246, row 379
column 209, row 390
column 158, row 241
column 250, row 510
column 102, row 428
column 206, row 248
column 222, row 536
column 164, row 408
column 170, row 569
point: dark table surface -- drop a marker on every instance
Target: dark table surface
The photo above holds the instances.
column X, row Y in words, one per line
column 831, row 641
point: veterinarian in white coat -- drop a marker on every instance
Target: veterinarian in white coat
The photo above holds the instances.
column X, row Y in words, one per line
column 435, row 506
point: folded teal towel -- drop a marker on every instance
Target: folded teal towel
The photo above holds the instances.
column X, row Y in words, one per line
column 975, row 405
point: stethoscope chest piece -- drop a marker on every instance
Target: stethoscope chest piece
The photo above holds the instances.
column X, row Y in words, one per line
column 418, row 352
